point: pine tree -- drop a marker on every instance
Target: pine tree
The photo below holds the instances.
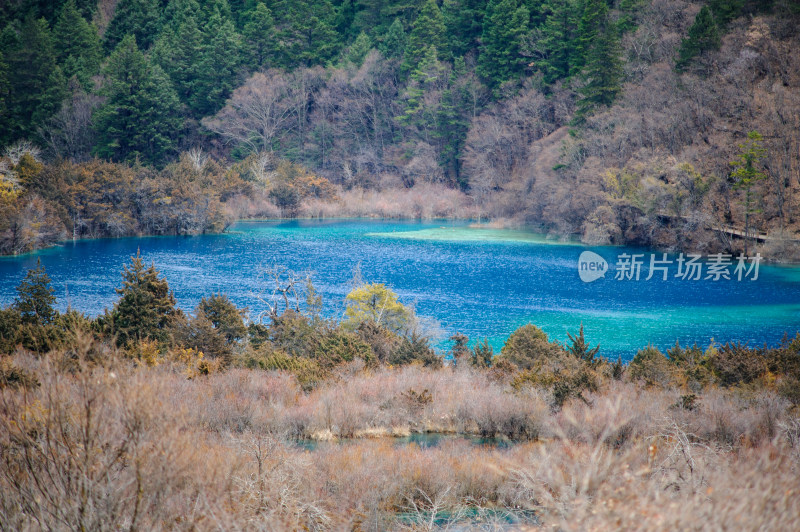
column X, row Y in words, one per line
column 393, row 44
column 482, row 354
column 140, row 18
column 308, row 34
column 224, row 316
column 504, row 26
column 427, row 76
column 345, row 16
column 146, row 308
column 5, row 90
column 558, row 39
column 140, row 117
column 580, row 349
column 464, row 22
column 594, row 15
column 703, row 36
column 178, row 52
column 36, row 81
column 726, row 10
column 454, row 120
column 603, row 71
column 78, row 45
column 260, row 41
column 35, row 297
column 218, row 68
column 359, row 49
column 747, row 172
column 428, row 30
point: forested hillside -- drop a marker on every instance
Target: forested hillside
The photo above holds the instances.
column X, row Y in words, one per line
column 667, row 123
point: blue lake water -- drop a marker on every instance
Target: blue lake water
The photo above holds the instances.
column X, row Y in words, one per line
column 481, row 282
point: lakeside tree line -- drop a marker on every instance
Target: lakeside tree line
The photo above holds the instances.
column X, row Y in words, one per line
column 614, row 120
column 146, row 326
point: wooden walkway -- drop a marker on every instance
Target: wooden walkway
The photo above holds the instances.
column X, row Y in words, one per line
column 738, row 233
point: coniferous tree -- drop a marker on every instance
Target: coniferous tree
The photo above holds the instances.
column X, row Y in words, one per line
column 78, row 45
column 464, row 22
column 427, row 76
column 454, row 120
column 140, row 18
column 5, row 90
column 308, row 34
column 345, row 16
column 393, row 44
column 748, row 170
column 603, row 70
column 482, row 354
column 178, row 52
column 36, row 81
column 558, row 39
column 726, row 10
column 504, row 26
column 35, row 297
column 359, row 49
column 140, row 117
column 703, row 36
column 260, row 42
column 219, row 65
column 146, row 308
column 224, row 316
column 374, row 16
column 580, row 349
column 593, row 15
column 428, row 30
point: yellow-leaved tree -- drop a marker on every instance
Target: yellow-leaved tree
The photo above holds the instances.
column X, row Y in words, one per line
column 375, row 302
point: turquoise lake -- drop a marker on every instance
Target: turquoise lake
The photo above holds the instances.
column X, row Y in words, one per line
column 481, row 282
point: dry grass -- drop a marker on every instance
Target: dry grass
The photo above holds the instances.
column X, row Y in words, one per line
column 115, row 447
column 423, row 201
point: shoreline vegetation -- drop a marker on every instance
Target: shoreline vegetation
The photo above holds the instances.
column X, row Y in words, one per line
column 67, row 201
column 660, row 124
column 153, row 418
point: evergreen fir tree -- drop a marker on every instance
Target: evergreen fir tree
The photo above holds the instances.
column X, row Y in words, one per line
column 224, row 316
column 35, row 297
column 5, row 90
column 140, row 18
column 428, row 31
column 425, row 76
column 580, row 349
column 593, row 15
column 146, row 308
column 703, row 36
column 558, row 39
column 140, row 117
column 726, row 10
column 308, row 36
column 359, row 49
column 748, row 170
column 603, row 71
column 259, row 37
column 179, row 53
column 464, row 22
column 218, row 68
column 504, row 26
column 453, row 121
column 482, row 354
column 345, row 15
column 78, row 45
column 36, row 81
column 393, row 44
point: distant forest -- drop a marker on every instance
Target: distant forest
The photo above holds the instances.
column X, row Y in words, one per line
column 664, row 123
